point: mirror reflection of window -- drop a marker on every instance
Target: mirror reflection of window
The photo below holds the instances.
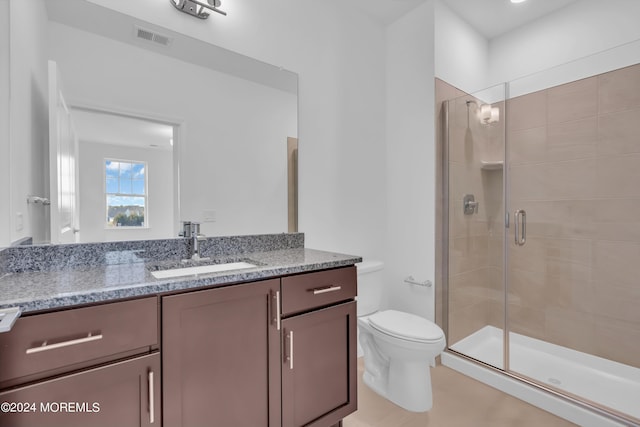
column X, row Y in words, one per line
column 125, row 192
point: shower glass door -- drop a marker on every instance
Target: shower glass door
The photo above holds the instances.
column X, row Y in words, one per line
column 573, row 243
column 541, row 200
column 473, row 170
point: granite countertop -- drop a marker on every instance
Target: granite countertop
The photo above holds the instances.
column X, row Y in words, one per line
column 129, row 276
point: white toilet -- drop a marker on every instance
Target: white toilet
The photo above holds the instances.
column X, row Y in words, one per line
column 398, row 347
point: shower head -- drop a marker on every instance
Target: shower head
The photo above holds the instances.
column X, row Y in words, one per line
column 469, row 102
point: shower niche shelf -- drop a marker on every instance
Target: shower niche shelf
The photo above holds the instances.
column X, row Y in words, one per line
column 491, row 165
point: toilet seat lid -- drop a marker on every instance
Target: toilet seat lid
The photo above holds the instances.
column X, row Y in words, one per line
column 405, row 325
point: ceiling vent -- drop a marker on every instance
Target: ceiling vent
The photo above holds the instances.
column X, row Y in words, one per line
column 152, row 36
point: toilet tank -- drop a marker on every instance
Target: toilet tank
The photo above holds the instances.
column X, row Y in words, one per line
column 370, row 285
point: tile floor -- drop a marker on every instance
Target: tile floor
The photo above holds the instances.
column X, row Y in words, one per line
column 458, row 401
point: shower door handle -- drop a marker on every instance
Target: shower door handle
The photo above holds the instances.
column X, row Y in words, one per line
column 520, row 220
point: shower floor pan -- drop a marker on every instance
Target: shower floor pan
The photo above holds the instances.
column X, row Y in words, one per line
column 599, row 380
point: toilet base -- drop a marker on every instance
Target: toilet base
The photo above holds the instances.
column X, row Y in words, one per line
column 407, row 384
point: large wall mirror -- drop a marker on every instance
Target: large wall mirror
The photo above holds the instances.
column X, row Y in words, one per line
column 133, row 128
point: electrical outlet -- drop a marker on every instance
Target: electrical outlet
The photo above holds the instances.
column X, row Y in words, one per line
column 209, row 216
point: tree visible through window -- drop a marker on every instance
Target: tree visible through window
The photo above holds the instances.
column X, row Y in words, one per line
column 126, row 193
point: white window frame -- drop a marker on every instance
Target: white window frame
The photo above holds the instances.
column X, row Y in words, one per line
column 106, row 194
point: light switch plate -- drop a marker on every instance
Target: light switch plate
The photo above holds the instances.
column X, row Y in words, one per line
column 19, row 221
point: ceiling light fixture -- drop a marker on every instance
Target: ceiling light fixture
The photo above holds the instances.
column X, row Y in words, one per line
column 197, row 8
column 486, row 113
column 517, row 1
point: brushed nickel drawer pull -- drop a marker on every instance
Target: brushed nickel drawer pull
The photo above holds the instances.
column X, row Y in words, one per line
column 287, row 350
column 45, row 347
column 326, row 289
column 278, row 313
column 152, row 405
column 290, row 349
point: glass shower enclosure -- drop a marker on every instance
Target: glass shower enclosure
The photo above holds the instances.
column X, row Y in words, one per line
column 542, row 235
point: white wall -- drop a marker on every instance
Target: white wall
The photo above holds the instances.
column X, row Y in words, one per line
column 5, row 194
column 339, row 56
column 234, row 132
column 582, row 32
column 430, row 41
column 28, row 119
column 410, row 160
column 159, row 174
column 342, row 184
column 461, row 53
column 581, row 29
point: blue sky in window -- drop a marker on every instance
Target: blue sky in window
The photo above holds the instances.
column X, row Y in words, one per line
column 137, row 186
column 125, row 170
column 137, row 171
column 112, row 168
column 124, row 177
column 112, row 185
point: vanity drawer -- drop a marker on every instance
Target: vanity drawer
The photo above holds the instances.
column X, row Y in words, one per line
column 307, row 291
column 49, row 344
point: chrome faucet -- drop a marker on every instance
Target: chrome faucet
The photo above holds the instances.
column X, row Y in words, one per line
column 191, row 233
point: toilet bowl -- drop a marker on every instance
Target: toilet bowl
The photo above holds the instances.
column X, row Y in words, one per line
column 398, row 348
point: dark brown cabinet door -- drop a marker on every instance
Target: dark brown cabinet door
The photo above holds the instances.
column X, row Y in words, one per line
column 124, row 394
column 221, row 357
column 319, row 384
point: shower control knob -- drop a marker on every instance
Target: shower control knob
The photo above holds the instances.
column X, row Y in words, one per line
column 469, row 204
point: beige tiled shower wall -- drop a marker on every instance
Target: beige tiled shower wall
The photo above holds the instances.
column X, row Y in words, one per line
column 574, row 154
column 475, row 291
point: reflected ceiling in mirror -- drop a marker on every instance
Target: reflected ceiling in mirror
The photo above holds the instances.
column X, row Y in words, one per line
column 98, row 126
column 114, row 25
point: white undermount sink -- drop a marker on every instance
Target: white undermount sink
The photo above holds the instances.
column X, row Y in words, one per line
column 201, row 269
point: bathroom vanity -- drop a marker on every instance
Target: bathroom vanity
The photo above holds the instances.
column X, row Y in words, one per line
column 272, row 345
